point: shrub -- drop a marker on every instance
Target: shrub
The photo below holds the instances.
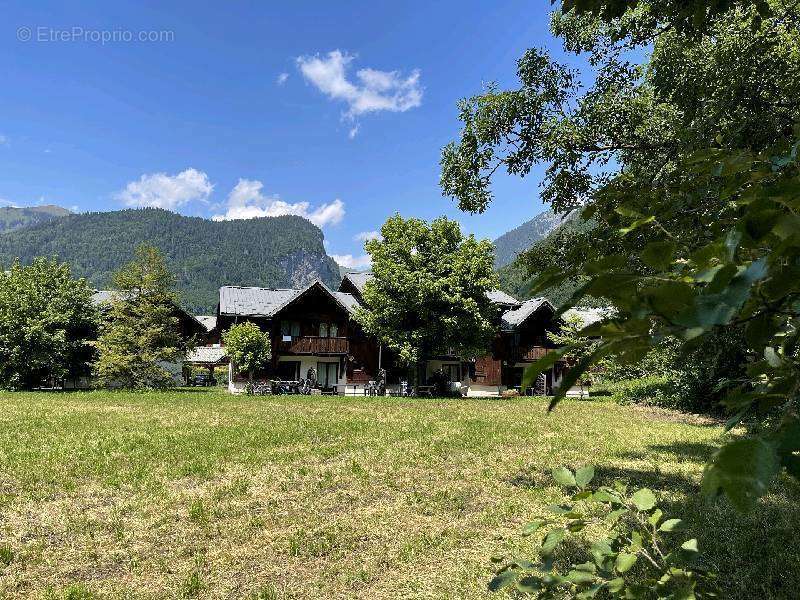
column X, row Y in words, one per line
column 637, row 535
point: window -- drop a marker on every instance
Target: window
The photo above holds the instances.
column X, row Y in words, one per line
column 452, row 372
column 290, row 328
column 289, row 370
column 328, row 374
column 323, row 329
column 334, row 330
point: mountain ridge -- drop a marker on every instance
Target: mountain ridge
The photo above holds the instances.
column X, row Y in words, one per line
column 13, row 218
column 509, row 245
column 284, row 251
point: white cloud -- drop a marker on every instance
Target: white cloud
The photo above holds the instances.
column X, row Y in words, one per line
column 353, row 132
column 3, row 140
column 371, row 91
column 281, row 79
column 353, row 262
column 160, row 190
column 367, row 235
column 246, row 201
column 4, row 202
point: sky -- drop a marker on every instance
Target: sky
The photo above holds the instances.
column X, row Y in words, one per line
column 334, row 111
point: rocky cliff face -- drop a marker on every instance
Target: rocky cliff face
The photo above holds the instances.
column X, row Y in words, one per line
column 519, row 239
column 303, row 266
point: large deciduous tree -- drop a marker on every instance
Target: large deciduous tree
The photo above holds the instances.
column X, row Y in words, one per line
column 684, row 150
column 140, row 336
column 427, row 295
column 47, row 322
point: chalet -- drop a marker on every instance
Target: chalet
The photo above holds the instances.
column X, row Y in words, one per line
column 312, row 327
column 522, row 339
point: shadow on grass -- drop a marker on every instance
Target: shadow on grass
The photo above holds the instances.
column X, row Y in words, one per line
column 755, row 554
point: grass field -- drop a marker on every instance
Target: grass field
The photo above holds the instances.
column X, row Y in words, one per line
column 200, row 494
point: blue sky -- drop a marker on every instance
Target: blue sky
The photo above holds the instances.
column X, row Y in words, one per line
column 337, row 111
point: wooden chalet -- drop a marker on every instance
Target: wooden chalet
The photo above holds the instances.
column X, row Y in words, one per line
column 309, row 327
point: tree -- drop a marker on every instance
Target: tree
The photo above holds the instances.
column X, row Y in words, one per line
column 47, row 320
column 688, row 163
column 248, row 348
column 427, row 295
column 140, row 335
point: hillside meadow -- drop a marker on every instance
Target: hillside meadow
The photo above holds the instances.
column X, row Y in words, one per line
column 200, row 494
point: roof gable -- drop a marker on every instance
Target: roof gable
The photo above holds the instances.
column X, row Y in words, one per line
column 265, row 302
column 515, row 317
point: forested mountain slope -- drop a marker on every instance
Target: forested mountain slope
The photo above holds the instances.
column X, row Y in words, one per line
column 13, row 218
column 509, row 245
column 281, row 251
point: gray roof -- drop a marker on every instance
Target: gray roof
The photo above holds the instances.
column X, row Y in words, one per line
column 500, row 297
column 206, row 355
column 101, row 296
column 266, row 302
column 207, row 321
column 359, row 280
column 517, row 316
column 589, row 316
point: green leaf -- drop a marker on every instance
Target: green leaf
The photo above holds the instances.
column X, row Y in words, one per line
column 644, row 499
column 580, row 577
column 658, row 255
column 535, row 369
column 624, row 562
column 564, row 476
column 584, row 476
column 532, row 527
column 502, row 580
column 655, row 517
column 551, row 540
column 742, row 469
column 616, row 585
column 671, row 525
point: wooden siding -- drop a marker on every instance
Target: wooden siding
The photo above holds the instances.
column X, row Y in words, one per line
column 315, row 345
column 488, row 371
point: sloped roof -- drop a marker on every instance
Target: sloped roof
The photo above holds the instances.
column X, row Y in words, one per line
column 266, row 302
column 359, row 280
column 589, row 316
column 101, row 296
column 207, row 321
column 517, row 316
column 206, row 355
column 500, row 297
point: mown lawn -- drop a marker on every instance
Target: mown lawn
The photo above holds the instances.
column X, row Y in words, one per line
column 200, row 494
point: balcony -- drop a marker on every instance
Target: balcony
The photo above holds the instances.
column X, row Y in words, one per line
column 315, row 345
column 531, row 354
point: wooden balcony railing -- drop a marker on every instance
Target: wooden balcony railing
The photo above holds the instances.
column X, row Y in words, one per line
column 529, row 354
column 315, row 345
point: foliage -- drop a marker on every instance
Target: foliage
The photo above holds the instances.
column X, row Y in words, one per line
column 427, row 295
column 284, row 251
column 46, row 321
column 248, row 348
column 636, row 534
column 140, row 334
column 747, row 276
column 688, row 163
column 569, row 336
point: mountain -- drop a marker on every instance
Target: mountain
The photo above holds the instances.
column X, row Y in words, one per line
column 282, row 251
column 510, row 244
column 13, row 218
